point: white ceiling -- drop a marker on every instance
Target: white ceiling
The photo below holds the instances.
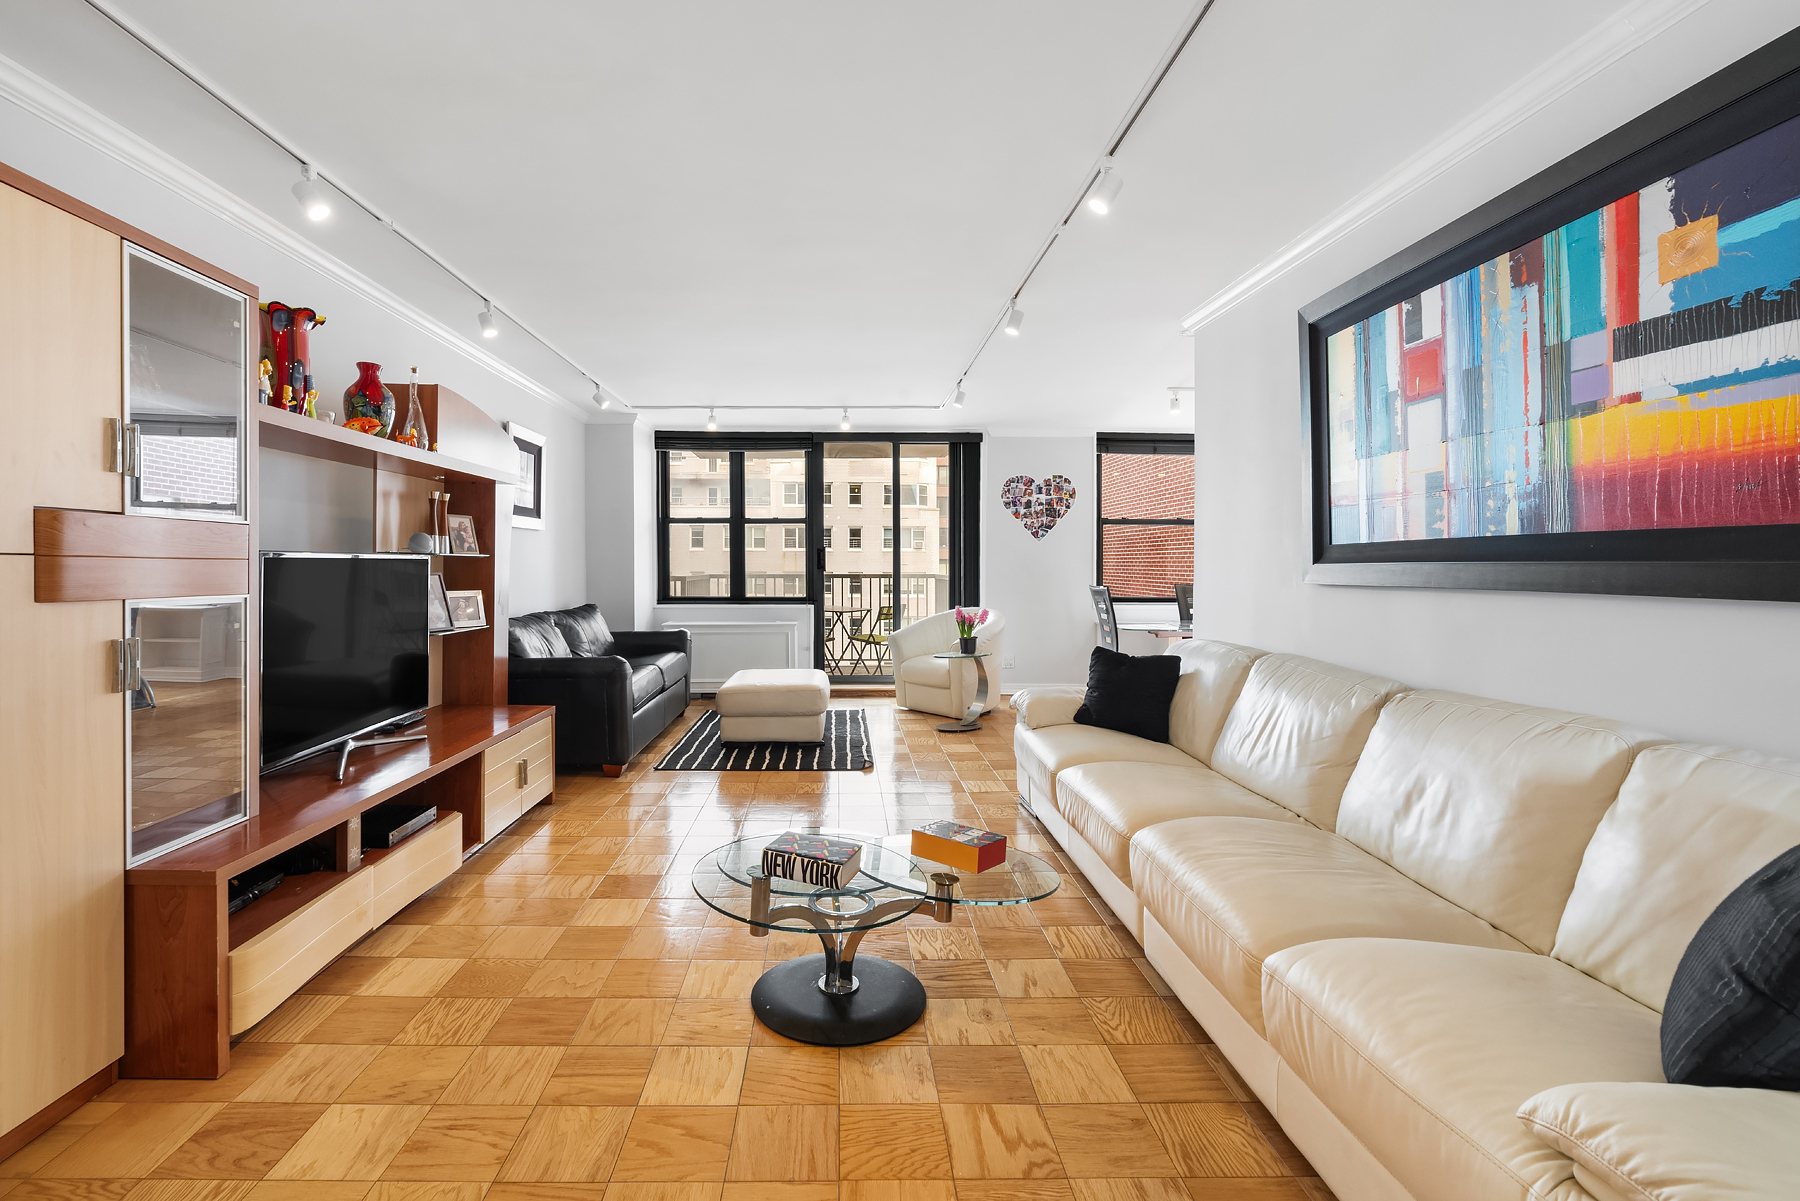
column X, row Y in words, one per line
column 807, row 201
column 800, row 202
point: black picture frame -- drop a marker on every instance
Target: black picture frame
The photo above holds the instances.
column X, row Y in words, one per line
column 1759, row 562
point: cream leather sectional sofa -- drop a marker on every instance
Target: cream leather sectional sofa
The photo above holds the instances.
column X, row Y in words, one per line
column 1433, row 932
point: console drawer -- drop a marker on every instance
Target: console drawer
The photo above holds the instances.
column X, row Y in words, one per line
column 266, row 969
column 420, row 863
column 503, row 797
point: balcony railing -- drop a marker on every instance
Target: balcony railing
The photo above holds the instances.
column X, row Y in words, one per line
column 860, row 611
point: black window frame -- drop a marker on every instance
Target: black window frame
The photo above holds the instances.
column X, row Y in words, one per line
column 964, row 518
column 1132, row 444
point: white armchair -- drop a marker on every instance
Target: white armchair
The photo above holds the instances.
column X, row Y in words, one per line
column 943, row 686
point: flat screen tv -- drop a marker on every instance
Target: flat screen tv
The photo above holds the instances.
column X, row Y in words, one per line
column 345, row 648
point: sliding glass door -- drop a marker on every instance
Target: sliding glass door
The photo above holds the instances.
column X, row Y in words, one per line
column 872, row 532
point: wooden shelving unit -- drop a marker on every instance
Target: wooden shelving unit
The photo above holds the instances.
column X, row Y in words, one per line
column 196, row 976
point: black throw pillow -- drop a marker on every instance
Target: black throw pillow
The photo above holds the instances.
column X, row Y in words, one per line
column 1733, row 1015
column 1130, row 693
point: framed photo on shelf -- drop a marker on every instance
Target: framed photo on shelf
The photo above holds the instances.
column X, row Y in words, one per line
column 528, row 494
column 1589, row 384
column 467, row 610
column 437, row 605
column 462, row 534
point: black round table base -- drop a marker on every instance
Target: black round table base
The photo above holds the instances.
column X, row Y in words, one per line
column 787, row 1000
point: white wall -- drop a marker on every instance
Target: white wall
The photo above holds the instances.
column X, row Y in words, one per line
column 621, row 529
column 1039, row 585
column 1722, row 671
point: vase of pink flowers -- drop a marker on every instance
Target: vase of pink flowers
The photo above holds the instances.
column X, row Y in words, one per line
column 966, row 622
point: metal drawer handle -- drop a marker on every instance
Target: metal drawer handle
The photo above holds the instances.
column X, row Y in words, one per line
column 524, row 773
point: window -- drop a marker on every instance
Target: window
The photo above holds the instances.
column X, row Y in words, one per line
column 793, row 537
column 915, row 538
column 791, row 495
column 712, row 497
column 758, row 537
column 915, row 494
column 887, row 537
column 696, row 537
column 675, row 494
column 856, row 538
column 887, row 496
column 856, row 494
column 827, row 491
column 827, row 532
column 756, row 493
column 726, row 530
column 1146, row 503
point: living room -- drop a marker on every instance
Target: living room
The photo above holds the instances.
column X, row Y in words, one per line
column 693, row 366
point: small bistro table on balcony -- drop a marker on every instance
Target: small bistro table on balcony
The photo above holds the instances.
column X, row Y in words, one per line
column 835, row 999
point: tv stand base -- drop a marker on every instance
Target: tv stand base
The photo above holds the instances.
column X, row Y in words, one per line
column 351, row 744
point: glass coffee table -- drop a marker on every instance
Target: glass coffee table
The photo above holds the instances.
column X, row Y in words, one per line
column 835, row 999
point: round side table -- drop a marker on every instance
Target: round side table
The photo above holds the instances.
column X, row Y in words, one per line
column 972, row 719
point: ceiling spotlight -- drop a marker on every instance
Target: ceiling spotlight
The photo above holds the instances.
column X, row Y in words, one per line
column 311, row 196
column 712, row 420
column 956, row 402
column 1106, row 187
column 845, row 423
column 486, row 317
column 1174, row 401
column 1014, row 318
column 601, row 398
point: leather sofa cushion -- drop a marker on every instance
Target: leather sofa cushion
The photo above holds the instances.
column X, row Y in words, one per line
column 672, row 664
column 1678, row 1142
column 1691, row 823
column 585, row 630
column 1488, row 804
column 1296, row 731
column 1107, row 803
column 1425, row 1051
column 1043, row 752
column 535, row 636
column 1212, row 676
column 1232, row 891
column 927, row 670
column 646, row 682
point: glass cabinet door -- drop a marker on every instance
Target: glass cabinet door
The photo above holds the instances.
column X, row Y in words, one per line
column 184, row 696
column 185, row 390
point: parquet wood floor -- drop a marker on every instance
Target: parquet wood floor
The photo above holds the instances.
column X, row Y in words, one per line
column 561, row 1020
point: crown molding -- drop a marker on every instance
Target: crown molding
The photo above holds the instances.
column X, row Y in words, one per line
column 62, row 111
column 1613, row 39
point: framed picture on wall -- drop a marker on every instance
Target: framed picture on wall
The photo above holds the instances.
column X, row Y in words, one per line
column 528, row 494
column 1592, row 383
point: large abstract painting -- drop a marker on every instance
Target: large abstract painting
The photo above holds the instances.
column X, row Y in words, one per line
column 1636, row 368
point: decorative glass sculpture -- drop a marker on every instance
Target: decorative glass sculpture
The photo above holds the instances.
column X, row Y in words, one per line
column 368, row 405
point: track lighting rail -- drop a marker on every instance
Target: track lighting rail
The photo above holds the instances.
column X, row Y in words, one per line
column 311, row 172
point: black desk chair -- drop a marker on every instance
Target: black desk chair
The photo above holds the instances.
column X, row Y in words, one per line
column 1103, row 613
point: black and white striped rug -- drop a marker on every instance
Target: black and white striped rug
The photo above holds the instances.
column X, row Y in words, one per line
column 846, row 748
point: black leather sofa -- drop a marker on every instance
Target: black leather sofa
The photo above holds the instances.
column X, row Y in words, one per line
column 613, row 693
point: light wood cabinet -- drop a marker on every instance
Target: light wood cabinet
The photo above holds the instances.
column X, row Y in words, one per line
column 515, row 775
column 61, row 346
column 62, row 862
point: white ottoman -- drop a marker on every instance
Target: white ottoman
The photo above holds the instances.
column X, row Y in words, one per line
column 774, row 705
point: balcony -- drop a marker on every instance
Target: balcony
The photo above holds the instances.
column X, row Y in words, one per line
column 859, row 611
